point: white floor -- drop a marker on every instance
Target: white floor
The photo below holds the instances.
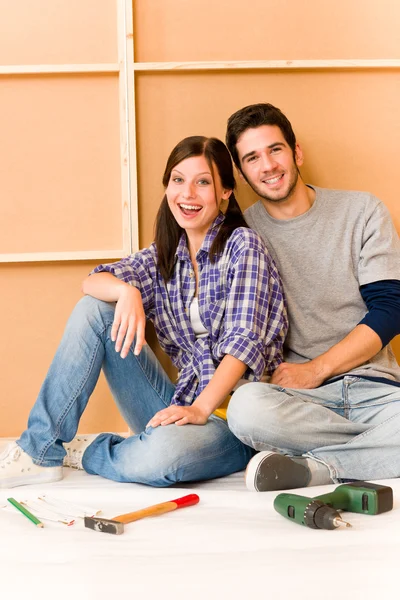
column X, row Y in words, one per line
column 231, row 545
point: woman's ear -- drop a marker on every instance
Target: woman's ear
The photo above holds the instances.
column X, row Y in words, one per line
column 226, row 194
column 223, row 205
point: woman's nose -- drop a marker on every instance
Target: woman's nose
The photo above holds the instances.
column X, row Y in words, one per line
column 188, row 191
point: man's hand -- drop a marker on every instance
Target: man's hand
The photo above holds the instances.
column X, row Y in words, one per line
column 180, row 415
column 299, row 376
column 129, row 320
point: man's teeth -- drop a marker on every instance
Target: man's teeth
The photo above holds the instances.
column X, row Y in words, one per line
column 273, row 179
column 190, row 207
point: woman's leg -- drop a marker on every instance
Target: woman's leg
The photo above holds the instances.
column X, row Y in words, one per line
column 166, row 455
column 139, row 384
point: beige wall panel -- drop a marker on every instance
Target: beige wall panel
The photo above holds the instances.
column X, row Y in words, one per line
column 60, row 178
column 56, row 31
column 348, row 124
column 36, row 301
column 176, row 30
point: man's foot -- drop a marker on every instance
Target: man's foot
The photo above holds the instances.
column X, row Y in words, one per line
column 17, row 468
column 75, row 449
column 270, row 471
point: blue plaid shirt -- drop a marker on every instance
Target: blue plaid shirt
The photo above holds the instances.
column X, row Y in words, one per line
column 241, row 305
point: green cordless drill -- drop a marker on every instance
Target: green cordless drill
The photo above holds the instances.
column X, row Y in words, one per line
column 321, row 512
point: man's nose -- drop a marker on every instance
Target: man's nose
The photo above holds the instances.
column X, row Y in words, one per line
column 268, row 162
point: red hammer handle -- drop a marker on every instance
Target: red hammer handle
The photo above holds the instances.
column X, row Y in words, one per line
column 158, row 509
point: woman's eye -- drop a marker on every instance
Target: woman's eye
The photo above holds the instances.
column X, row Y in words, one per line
column 204, row 182
column 177, row 179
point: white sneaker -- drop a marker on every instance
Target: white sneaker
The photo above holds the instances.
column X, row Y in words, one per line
column 18, row 468
column 75, row 449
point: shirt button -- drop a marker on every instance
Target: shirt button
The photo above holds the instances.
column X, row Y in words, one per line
column 191, row 274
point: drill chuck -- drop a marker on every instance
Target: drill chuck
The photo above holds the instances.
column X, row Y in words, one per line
column 318, row 515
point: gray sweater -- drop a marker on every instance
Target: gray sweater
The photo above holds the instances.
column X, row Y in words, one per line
column 345, row 240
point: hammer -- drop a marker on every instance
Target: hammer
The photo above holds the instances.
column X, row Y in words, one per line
column 116, row 525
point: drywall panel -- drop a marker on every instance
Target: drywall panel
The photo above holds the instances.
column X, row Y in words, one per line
column 176, row 30
column 60, row 169
column 347, row 122
column 36, row 302
column 57, row 32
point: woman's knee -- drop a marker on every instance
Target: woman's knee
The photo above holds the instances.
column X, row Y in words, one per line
column 93, row 312
column 156, row 457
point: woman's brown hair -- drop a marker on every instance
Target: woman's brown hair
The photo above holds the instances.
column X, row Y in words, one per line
column 167, row 230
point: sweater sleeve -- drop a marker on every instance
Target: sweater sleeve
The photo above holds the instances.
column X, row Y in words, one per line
column 382, row 299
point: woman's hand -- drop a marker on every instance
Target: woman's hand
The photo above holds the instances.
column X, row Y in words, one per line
column 180, row 415
column 129, row 320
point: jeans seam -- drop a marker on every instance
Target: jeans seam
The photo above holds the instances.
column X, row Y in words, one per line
column 148, row 381
column 73, row 400
column 211, row 456
column 371, row 429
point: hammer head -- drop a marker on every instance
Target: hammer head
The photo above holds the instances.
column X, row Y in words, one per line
column 104, row 525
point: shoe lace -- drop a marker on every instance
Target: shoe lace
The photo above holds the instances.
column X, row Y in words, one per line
column 9, row 456
column 74, row 456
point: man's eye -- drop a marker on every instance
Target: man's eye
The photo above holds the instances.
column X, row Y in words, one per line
column 275, row 150
column 251, row 159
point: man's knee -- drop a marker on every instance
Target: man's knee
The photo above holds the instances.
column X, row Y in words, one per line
column 254, row 414
column 244, row 408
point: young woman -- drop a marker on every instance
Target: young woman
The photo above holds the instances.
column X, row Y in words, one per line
column 215, row 298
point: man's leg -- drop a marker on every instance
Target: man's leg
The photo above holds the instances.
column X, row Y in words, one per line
column 373, row 454
column 346, row 435
column 294, row 422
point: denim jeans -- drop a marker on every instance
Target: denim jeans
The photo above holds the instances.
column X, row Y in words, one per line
column 157, row 456
column 352, row 425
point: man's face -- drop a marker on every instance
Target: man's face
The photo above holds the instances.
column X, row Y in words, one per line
column 267, row 163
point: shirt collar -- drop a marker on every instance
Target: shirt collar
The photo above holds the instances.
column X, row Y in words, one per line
column 182, row 251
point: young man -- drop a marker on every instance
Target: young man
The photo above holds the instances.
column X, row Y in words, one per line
column 331, row 411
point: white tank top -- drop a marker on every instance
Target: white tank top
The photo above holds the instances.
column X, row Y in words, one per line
column 194, row 316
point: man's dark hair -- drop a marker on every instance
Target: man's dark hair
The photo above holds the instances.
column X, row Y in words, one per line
column 167, row 230
column 256, row 115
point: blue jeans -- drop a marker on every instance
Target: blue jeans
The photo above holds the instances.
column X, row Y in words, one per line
column 157, row 456
column 352, row 425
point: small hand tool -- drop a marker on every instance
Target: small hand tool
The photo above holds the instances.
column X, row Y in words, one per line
column 116, row 525
column 321, row 512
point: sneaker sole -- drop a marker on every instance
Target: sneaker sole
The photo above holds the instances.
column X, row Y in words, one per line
column 275, row 472
column 32, row 479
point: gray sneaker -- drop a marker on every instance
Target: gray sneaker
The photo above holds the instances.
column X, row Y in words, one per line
column 270, row 471
column 17, row 468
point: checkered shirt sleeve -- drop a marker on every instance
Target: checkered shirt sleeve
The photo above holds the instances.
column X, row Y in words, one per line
column 255, row 321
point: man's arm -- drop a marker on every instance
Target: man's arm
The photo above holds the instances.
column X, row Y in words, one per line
column 356, row 348
column 375, row 330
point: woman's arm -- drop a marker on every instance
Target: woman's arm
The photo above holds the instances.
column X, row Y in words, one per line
column 129, row 319
column 227, row 375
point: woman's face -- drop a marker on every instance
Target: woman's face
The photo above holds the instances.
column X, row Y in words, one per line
column 195, row 194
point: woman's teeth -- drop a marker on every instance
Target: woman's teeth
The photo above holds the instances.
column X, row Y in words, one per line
column 190, row 207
